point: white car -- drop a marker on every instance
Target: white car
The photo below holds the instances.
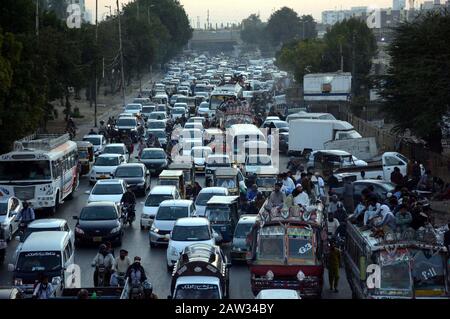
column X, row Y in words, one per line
column 177, row 112
column 166, row 216
column 194, row 125
column 205, row 195
column 98, row 141
column 133, row 108
column 108, row 191
column 188, row 231
column 104, row 167
column 278, row 294
column 341, row 158
column 117, row 148
column 199, row 155
column 157, row 195
column 10, row 207
column 203, row 109
column 257, row 162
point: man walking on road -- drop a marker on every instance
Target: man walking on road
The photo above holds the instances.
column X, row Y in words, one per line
column 334, row 261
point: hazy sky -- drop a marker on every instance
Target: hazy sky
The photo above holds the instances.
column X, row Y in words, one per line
column 223, row 11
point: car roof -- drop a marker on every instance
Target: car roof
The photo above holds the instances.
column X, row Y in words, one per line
column 131, row 165
column 332, row 152
column 103, row 203
column 192, row 221
column 115, row 144
column 247, row 219
column 159, row 149
column 226, row 200
column 109, row 155
column 44, row 241
column 109, row 181
column 216, row 190
column 47, row 223
column 183, row 280
column 176, row 202
column 162, row 189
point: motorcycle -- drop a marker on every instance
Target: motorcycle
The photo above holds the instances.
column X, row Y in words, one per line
column 128, row 213
column 101, row 276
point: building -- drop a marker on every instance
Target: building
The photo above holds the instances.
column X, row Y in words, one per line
column 330, row 17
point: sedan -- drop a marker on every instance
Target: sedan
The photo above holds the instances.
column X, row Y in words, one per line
column 98, row 223
column 108, row 190
column 104, row 167
column 155, row 159
column 135, row 175
column 9, row 209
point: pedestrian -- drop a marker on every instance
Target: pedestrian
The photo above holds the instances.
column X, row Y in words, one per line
column 141, row 147
column 43, row 290
column 397, row 176
column 26, row 215
column 332, row 225
column 334, row 262
column 197, row 189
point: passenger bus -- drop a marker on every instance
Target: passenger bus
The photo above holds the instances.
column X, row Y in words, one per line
column 42, row 169
column 411, row 266
column 238, row 135
column 286, row 250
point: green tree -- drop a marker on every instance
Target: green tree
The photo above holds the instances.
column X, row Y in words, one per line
column 358, row 49
column 283, row 26
column 416, row 88
column 252, row 30
column 308, row 27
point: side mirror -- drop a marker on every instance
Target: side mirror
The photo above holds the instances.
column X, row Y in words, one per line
column 10, row 267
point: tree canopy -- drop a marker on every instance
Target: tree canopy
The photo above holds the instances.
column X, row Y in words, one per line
column 416, row 88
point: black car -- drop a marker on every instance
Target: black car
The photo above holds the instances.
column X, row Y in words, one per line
column 99, row 222
column 155, row 159
column 136, row 175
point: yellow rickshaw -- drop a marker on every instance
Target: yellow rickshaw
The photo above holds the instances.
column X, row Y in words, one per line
column 85, row 156
column 173, row 178
column 188, row 169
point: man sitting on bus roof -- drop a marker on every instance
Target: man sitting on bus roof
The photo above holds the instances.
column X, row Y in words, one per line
column 277, row 197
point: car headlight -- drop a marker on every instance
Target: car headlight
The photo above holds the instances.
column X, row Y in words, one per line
column 154, row 229
column 18, row 282
column 115, row 230
column 269, row 275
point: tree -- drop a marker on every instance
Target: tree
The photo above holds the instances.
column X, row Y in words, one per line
column 308, row 27
column 358, row 49
column 252, row 30
column 416, row 88
column 301, row 57
column 284, row 25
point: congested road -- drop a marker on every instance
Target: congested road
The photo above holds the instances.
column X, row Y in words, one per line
column 136, row 242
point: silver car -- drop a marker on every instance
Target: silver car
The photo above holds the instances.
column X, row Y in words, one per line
column 9, row 209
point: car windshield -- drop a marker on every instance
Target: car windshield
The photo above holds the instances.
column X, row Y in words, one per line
column 114, row 150
column 171, row 212
column 129, row 172
column 159, row 125
column 271, row 244
column 29, row 230
column 98, row 213
column 153, row 200
column 428, row 272
column 218, row 161
column 126, row 122
column 191, row 233
column 200, row 152
column 157, row 116
column 396, row 276
column 107, row 189
column 39, row 261
column 159, row 134
column 3, row 208
column 179, row 111
column 93, row 140
column 197, row 291
column 153, row 155
column 107, row 161
column 242, row 230
column 133, row 107
column 259, row 161
column 148, row 109
column 217, row 214
column 281, row 124
column 25, row 170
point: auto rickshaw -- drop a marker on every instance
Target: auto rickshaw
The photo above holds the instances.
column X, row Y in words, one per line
column 265, row 180
column 85, row 156
column 188, row 169
column 227, row 177
column 173, row 178
column 223, row 214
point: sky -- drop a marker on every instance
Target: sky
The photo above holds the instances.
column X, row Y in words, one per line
column 233, row 11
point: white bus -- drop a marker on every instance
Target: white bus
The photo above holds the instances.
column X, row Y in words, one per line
column 42, row 169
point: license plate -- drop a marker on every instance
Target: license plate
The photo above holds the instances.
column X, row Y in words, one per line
column 97, row 239
column 103, row 177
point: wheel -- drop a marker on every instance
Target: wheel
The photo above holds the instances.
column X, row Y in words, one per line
column 55, row 208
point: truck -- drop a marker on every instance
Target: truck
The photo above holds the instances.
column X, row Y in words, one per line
column 311, row 135
column 327, row 86
column 202, row 272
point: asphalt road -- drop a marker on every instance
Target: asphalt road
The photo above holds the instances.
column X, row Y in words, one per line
column 153, row 259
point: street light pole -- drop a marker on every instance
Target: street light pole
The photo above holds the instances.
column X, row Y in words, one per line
column 121, row 53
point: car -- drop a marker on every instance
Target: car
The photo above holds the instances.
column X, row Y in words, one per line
column 205, row 195
column 196, row 119
column 104, row 167
column 193, row 125
column 188, row 231
column 214, row 161
column 110, row 190
column 273, row 118
column 160, row 134
column 157, row 115
column 129, row 126
column 98, row 141
column 199, row 155
column 117, row 148
column 157, row 195
column 239, row 245
column 191, row 133
column 147, row 110
column 278, row 294
column 133, row 108
column 10, row 207
column 282, row 126
column 161, row 108
column 156, row 124
column 136, row 175
column 177, row 112
column 166, row 216
column 99, row 222
column 256, row 163
column 155, row 159
column 181, row 104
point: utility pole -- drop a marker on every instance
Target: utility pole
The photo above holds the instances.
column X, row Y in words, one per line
column 207, row 19
column 121, row 53
column 96, row 48
column 37, row 18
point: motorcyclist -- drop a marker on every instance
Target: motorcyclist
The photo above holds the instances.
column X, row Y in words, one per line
column 103, row 259
column 136, row 275
column 92, row 132
column 129, row 199
column 102, row 129
column 121, row 265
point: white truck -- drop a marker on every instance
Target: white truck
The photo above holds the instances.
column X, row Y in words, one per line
column 311, row 135
column 375, row 169
column 327, row 86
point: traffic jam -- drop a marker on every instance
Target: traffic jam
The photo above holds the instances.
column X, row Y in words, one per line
column 216, row 172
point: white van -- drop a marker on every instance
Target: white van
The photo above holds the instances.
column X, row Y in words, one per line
column 49, row 252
